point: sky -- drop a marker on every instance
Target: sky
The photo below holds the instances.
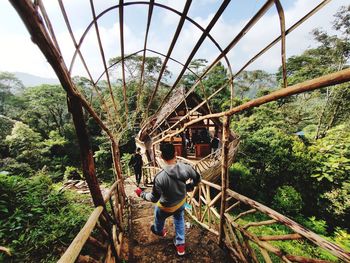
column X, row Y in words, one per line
column 19, row 54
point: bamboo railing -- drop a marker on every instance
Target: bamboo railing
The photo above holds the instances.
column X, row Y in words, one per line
column 107, row 238
column 149, row 172
column 210, row 166
column 240, row 235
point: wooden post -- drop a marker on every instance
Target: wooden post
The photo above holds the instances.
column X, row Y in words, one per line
column 88, row 164
column 116, row 162
column 224, row 175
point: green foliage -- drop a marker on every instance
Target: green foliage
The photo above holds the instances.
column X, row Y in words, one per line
column 46, row 109
column 315, row 225
column 287, row 200
column 24, row 144
column 14, row 167
column 37, row 221
column 334, row 158
column 337, row 203
column 9, row 85
column 72, row 173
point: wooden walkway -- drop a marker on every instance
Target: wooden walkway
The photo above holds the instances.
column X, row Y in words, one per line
column 143, row 246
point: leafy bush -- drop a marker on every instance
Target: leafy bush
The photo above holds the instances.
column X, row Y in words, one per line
column 16, row 168
column 72, row 173
column 37, row 222
column 287, row 200
column 337, row 204
column 315, row 225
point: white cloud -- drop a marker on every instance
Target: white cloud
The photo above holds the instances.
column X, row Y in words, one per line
column 18, row 53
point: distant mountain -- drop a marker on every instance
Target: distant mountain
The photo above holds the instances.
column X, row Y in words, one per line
column 29, row 80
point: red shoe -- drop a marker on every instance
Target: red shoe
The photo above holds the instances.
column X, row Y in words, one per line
column 180, row 249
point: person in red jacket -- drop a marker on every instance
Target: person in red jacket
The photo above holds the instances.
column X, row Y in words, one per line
column 169, row 192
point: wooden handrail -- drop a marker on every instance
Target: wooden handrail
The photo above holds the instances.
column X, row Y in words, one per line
column 77, row 244
column 297, row 228
column 111, row 190
column 314, row 238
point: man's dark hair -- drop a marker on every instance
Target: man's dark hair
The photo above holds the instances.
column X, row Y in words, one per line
column 168, row 151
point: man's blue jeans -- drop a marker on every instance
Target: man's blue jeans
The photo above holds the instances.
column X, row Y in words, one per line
column 179, row 222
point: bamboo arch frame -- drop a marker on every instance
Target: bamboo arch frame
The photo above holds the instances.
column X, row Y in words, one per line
column 44, row 36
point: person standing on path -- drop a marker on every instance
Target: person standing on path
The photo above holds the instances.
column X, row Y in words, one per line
column 169, row 192
column 137, row 163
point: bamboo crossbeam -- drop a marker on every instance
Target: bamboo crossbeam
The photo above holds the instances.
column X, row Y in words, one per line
column 261, row 223
column 111, row 191
column 314, row 238
column 215, row 186
column 202, row 224
column 281, row 237
column 170, row 50
column 232, row 206
column 244, row 213
column 212, row 202
column 283, row 41
column 77, row 244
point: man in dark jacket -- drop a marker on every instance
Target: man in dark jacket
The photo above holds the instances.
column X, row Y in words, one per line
column 136, row 162
column 169, row 191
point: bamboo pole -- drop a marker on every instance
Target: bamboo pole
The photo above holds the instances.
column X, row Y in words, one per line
column 75, row 247
column 309, row 85
column 224, row 176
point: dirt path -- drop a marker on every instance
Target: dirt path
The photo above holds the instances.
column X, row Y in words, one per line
column 201, row 245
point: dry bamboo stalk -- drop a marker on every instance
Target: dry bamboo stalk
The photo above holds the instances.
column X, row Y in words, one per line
column 208, row 202
column 265, row 255
column 250, row 211
column 228, row 242
column 252, row 253
column 110, row 191
column 258, row 242
column 319, row 241
column 213, row 210
column 232, row 206
column 215, row 186
column 236, row 242
column 204, row 225
column 305, row 260
column 119, row 246
column 77, row 244
column 108, row 258
column 261, row 223
column 200, row 201
column 281, row 237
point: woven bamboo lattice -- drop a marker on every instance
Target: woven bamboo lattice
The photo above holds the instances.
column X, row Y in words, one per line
column 118, row 111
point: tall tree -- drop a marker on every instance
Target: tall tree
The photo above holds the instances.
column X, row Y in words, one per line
column 9, row 86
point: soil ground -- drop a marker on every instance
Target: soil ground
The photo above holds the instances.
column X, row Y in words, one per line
column 144, row 246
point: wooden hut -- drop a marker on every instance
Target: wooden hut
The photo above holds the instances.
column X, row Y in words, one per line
column 196, row 144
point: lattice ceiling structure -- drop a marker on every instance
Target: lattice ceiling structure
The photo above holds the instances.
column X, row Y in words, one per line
column 114, row 111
